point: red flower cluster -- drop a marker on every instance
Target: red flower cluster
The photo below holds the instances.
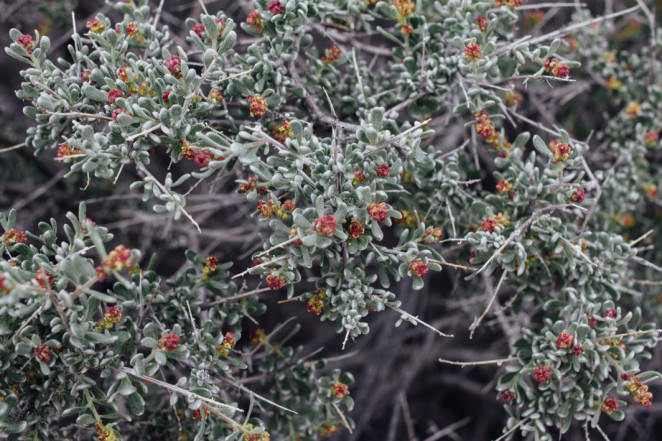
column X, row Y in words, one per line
column 356, row 229
column 42, row 352
column 578, row 196
column 489, row 225
column 249, row 186
column 332, row 55
column 133, row 32
column 404, row 7
column 85, row 77
column 4, row 289
column 325, row 226
column 556, row 68
column 473, row 52
column 560, row 151
column 169, row 342
column 112, row 316
column 12, row 237
column 174, row 66
column 610, row 405
column 197, row 414
column 651, row 138
column 275, row 7
column 378, row 211
column 542, row 373
column 118, row 259
column 485, row 129
column 638, row 390
column 275, row 282
column 281, row 132
column 317, row 303
column 432, row 235
column 294, row 234
column 258, row 105
column 104, row 433
column 507, row 395
column 418, row 268
column 199, row 28
column 611, row 313
column 254, row 20
column 592, row 322
column 44, row 279
column 577, row 350
column 26, row 42
column 358, row 178
column 509, row 3
column 226, row 345
column 482, row 23
column 270, row 208
column 96, row 26
column 210, row 266
column 564, row 340
column 383, row 170
column 118, row 112
column 257, row 336
column 65, row 150
column 504, row 186
column 340, row 390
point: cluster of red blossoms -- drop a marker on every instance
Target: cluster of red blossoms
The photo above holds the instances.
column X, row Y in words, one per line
column 473, row 52
column 134, row 33
column 405, row 9
column 317, row 303
column 270, row 208
column 610, row 405
column 327, row 429
column 556, row 68
column 638, row 390
column 356, row 229
column 96, row 26
column 44, row 279
column 332, row 55
column 325, row 226
column 482, row 23
column 210, row 266
column 432, row 235
column 358, row 178
column 12, row 237
column 651, row 138
column 112, row 316
column 4, row 289
column 65, row 150
column 250, row 186
column 507, row 395
column 504, row 186
column 383, row 170
column 264, row 436
column 281, row 132
column 275, row 7
column 340, row 390
column 104, row 433
column 118, row 112
column 226, row 345
column 258, row 105
column 257, row 336
column 564, row 340
column 489, row 225
column 43, row 353
column 418, row 268
column 611, row 313
column 378, row 211
column 174, row 66
column 201, row 157
column 510, row 3
column 275, row 282
column 169, row 342
column 118, row 259
column 197, row 414
column 113, row 94
column 560, row 151
column 485, row 129
column 26, row 42
column 254, row 20
column 542, row 373
column 199, row 28
column 578, row 196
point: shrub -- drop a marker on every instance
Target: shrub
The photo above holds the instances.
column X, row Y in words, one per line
column 359, row 181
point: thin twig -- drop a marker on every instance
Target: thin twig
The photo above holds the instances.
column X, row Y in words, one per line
column 477, row 321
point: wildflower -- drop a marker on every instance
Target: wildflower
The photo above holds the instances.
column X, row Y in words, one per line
column 542, row 373
column 650, row 190
column 294, row 233
column 592, row 322
column 432, row 235
column 174, row 66
column 332, row 55
column 197, row 414
column 317, row 303
column 489, row 225
column 473, row 52
column 166, row 96
column 4, row 289
column 96, row 26
column 509, row 3
column 578, row 196
column 610, row 405
column 327, row 429
column 257, row 336
column 484, row 125
column 507, row 395
column 275, row 282
column 211, row 264
column 249, row 186
column 43, row 353
column 85, row 77
column 117, row 113
column 254, row 20
column 101, row 273
column 118, row 259
column 633, row 108
column 610, row 313
column 169, row 342
column 203, row 157
column 288, row 205
column 258, row 105
column 340, row 390
column 404, row 7
column 199, row 29
column 556, row 68
column 113, row 94
column 418, row 268
column 564, row 340
column 577, row 350
column 226, row 345
column 613, row 83
column 638, row 390
column 266, row 209
column 104, row 433
column 281, row 132
column 504, row 186
column 275, row 7
column 407, row 29
column 358, row 178
column 325, row 226
column 44, row 279
column 383, row 170
column 513, row 99
column 133, row 32
column 26, row 42
column 482, row 23
column 560, row 152
column 111, row 317
column 378, row 211
column 651, row 138
column 356, row 229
